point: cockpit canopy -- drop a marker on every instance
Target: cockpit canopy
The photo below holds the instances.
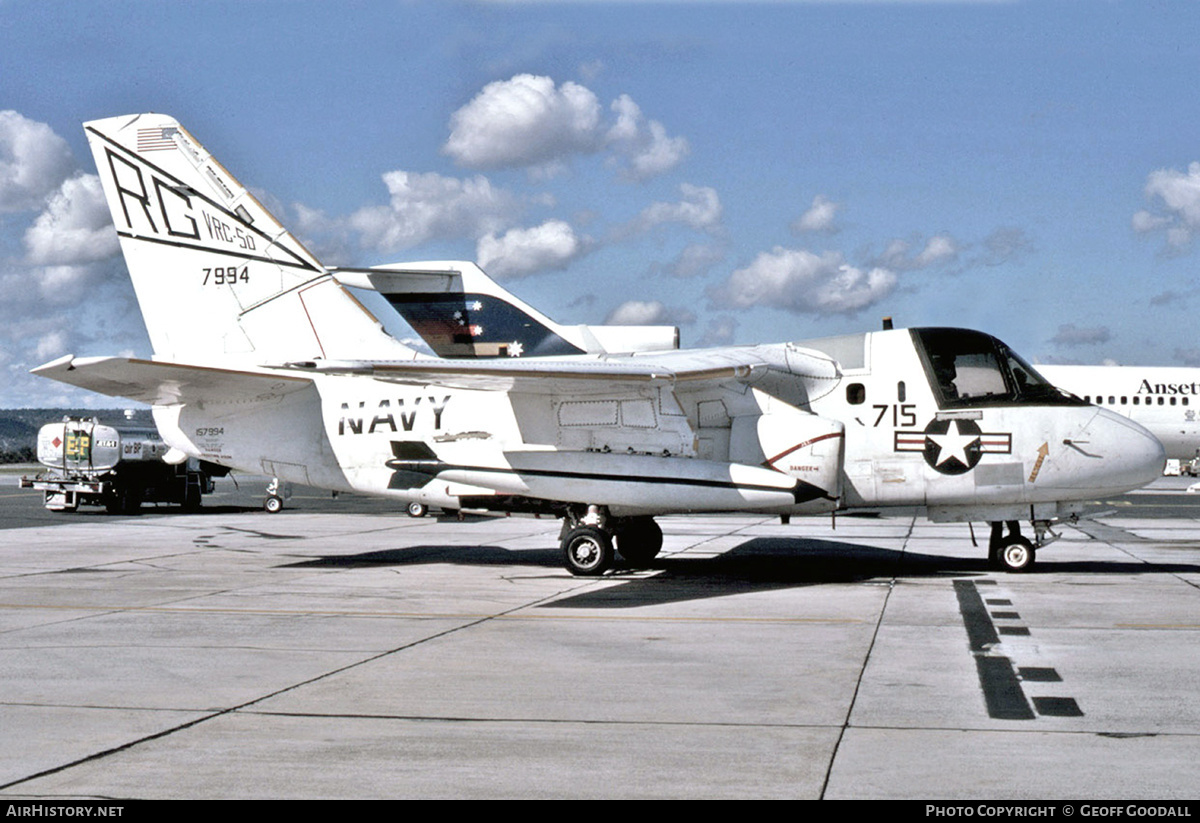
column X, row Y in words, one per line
column 970, row 368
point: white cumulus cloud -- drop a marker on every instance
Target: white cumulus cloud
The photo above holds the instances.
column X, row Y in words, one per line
column 720, row 331
column 800, row 281
column 647, row 149
column 521, row 252
column 819, row 219
column 50, row 345
column 937, row 250
column 529, row 121
column 648, row 313
column 1177, row 200
column 699, row 209
column 75, row 226
column 524, row 121
column 427, row 206
column 695, row 260
column 34, row 161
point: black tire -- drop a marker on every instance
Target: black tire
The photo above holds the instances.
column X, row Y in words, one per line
column 416, row 509
column 639, row 541
column 587, row 551
column 273, row 504
column 124, row 500
column 994, row 561
column 1017, row 555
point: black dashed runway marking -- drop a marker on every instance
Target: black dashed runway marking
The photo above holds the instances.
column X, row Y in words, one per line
column 1057, row 707
column 999, row 680
column 1038, row 674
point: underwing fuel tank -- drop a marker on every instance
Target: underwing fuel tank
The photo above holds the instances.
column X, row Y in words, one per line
column 634, row 483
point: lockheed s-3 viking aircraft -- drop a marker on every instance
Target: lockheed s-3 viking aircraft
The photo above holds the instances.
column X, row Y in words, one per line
column 265, row 362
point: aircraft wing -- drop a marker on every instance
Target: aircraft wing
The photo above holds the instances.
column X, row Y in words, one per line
column 555, row 376
column 165, row 384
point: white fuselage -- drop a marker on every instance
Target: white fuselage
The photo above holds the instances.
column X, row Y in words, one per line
column 873, row 435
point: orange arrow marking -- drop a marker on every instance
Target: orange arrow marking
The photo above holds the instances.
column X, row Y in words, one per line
column 1043, row 450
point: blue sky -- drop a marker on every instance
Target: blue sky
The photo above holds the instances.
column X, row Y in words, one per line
column 751, row 172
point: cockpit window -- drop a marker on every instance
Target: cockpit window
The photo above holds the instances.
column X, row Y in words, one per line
column 969, row 368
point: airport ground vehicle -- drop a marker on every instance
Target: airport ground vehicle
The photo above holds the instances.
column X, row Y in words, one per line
column 119, row 467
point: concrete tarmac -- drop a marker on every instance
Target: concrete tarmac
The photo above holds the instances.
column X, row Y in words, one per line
column 343, row 650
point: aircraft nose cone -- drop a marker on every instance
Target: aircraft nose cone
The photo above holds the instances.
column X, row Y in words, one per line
column 1137, row 458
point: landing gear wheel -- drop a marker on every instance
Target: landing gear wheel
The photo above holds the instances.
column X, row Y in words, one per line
column 1010, row 552
column 192, row 499
column 587, row 551
column 416, row 509
column 639, row 541
column 1017, row 555
column 273, row 504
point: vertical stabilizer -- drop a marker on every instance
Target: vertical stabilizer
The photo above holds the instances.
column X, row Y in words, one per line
column 218, row 279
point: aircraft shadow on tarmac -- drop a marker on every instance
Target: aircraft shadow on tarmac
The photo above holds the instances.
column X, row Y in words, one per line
column 759, row 564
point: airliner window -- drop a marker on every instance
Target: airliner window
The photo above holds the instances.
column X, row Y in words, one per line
column 969, row 368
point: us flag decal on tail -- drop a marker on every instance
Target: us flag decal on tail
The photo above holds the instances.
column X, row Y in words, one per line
column 156, row 139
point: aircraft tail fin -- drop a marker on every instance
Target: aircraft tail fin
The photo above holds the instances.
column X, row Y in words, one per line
column 218, row 279
column 462, row 313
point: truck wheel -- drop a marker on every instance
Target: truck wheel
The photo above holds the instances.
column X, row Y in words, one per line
column 124, row 500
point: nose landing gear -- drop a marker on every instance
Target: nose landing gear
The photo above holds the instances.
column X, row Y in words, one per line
column 1013, row 552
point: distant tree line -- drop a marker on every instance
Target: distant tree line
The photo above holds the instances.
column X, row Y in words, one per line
column 25, row 454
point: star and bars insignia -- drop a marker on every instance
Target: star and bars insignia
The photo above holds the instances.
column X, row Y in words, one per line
column 953, row 446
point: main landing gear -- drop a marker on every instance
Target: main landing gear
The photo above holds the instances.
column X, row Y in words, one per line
column 1013, row 552
column 591, row 541
column 276, row 493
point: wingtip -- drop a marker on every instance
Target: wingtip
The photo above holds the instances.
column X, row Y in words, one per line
column 55, row 365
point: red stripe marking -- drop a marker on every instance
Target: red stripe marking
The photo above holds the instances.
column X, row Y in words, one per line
column 784, row 454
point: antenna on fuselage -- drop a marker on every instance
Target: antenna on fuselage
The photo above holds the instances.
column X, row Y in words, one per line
column 887, row 323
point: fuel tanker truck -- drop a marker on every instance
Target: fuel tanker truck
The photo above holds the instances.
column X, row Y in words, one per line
column 120, row 467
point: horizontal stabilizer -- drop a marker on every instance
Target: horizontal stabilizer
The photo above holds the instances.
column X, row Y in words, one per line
column 462, row 313
column 165, row 384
